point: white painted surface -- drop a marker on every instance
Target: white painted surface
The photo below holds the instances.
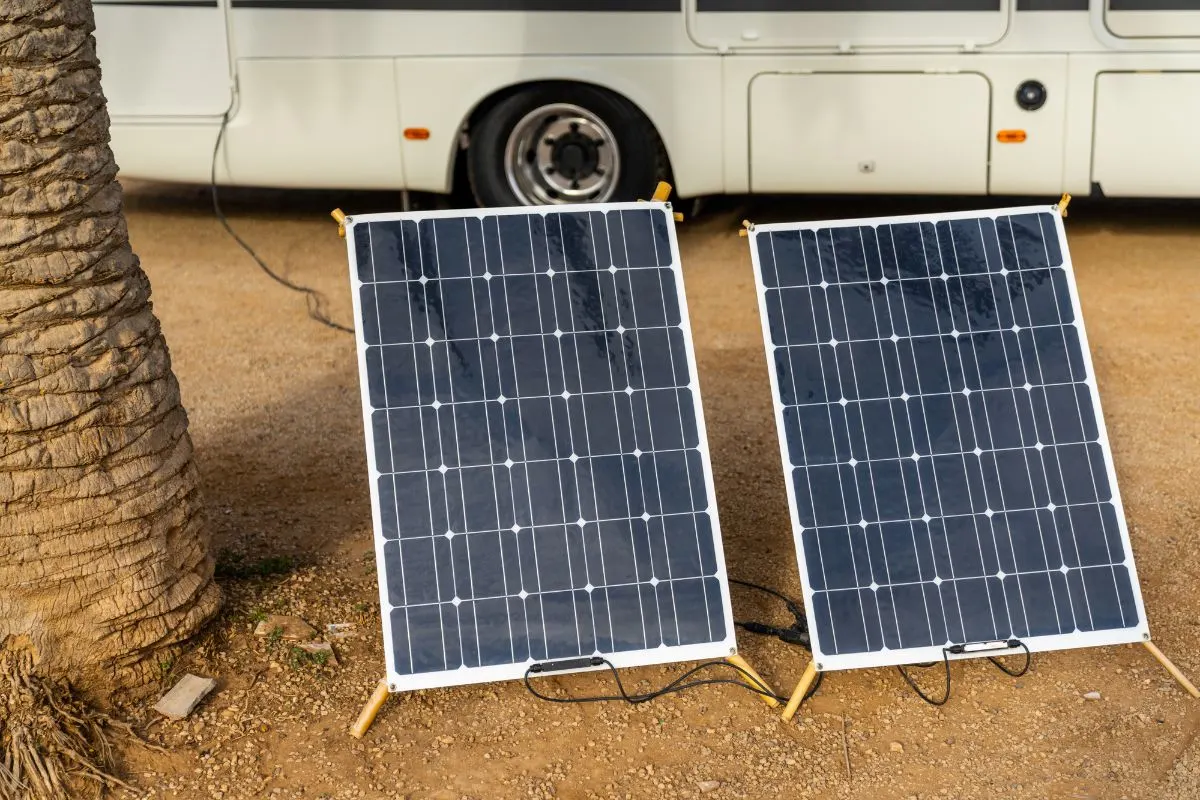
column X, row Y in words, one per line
column 680, row 95
column 869, row 133
column 163, row 61
column 169, row 65
column 165, row 150
column 316, row 122
column 1146, row 141
column 291, row 33
column 1034, row 166
column 851, row 30
column 1152, row 24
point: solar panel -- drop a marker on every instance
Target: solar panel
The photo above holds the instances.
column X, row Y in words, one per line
column 950, row 478
column 540, row 478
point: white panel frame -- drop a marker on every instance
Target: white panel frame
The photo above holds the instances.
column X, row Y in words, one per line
column 915, row 655
column 662, row 654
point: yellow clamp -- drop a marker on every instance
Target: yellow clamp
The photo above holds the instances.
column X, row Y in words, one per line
column 747, row 225
column 339, row 217
column 1063, row 203
column 661, row 194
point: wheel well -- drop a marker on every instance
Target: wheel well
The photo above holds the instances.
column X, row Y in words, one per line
column 500, row 95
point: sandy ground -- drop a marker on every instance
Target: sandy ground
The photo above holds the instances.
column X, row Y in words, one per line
column 275, row 412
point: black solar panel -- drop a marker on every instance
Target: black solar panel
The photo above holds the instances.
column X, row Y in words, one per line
column 540, row 475
column 950, row 478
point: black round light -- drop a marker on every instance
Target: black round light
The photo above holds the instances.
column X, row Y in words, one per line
column 1031, row 95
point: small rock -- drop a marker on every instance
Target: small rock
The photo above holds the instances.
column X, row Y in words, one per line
column 1092, row 696
column 314, row 648
column 184, row 696
column 708, row 786
column 896, row 747
column 340, row 630
column 291, row 628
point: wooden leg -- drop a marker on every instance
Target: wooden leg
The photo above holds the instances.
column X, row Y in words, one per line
column 741, row 664
column 1174, row 670
column 367, row 715
column 806, row 682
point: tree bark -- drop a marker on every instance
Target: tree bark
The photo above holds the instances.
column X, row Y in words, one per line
column 104, row 562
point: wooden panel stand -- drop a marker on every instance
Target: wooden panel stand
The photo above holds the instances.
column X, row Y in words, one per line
column 1174, row 670
column 367, row 715
column 741, row 664
column 806, row 682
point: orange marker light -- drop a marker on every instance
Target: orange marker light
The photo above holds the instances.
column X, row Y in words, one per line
column 416, row 134
column 1010, row 136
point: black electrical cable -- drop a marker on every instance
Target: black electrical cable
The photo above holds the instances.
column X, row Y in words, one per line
column 946, row 664
column 1022, row 670
column 796, row 633
column 920, row 693
column 313, row 299
column 678, row 685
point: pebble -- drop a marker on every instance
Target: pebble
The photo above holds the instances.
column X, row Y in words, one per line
column 340, row 630
column 1091, row 696
column 320, row 647
column 896, row 747
column 184, row 696
column 293, row 628
column 708, row 786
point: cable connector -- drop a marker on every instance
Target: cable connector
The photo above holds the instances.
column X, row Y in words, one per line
column 566, row 664
column 984, row 647
column 339, row 217
column 793, row 635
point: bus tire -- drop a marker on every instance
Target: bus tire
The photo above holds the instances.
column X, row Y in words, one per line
column 563, row 143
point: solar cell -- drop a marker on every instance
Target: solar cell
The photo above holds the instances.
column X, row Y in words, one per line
column 540, row 478
column 950, row 478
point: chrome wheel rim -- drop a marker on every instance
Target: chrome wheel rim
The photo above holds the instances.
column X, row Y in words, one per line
column 561, row 153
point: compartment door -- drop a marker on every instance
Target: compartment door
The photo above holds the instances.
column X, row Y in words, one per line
column 163, row 58
column 869, row 133
column 847, row 24
column 1145, row 136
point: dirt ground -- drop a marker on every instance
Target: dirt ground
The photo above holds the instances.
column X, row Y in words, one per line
column 276, row 418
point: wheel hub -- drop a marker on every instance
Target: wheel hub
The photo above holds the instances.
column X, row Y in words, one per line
column 575, row 156
column 561, row 153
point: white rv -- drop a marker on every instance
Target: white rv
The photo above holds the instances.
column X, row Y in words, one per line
column 558, row 101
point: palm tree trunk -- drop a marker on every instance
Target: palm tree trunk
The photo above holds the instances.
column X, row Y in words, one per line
column 104, row 563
